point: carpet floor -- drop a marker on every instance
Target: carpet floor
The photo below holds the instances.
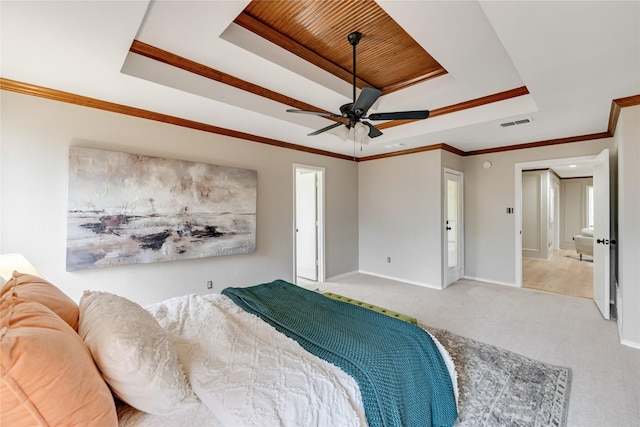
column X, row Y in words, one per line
column 547, row 327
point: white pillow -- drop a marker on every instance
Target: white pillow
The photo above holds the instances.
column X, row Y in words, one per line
column 134, row 353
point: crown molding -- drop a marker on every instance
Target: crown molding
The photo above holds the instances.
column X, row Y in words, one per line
column 546, row 143
column 616, row 106
column 57, row 95
column 67, row 97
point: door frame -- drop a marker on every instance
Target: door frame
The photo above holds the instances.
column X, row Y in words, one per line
column 320, row 241
column 602, row 234
column 460, row 229
column 537, row 164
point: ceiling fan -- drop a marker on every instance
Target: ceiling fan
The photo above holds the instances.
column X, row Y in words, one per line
column 355, row 112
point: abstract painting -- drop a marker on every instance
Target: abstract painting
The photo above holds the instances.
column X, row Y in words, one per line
column 130, row 209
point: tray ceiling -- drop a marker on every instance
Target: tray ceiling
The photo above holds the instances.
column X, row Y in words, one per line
column 388, row 58
column 234, row 67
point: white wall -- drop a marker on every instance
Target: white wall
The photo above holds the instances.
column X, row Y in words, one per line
column 627, row 139
column 399, row 200
column 401, row 216
column 36, row 135
column 489, row 230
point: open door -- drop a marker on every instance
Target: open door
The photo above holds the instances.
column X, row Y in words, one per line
column 308, row 254
column 453, row 250
column 601, row 233
column 306, row 225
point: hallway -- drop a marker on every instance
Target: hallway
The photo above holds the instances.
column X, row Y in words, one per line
column 563, row 273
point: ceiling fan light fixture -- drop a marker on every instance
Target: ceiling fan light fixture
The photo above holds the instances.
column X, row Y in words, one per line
column 361, row 133
column 356, row 110
column 343, row 133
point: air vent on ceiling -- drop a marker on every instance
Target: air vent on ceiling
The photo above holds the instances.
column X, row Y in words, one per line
column 515, row 122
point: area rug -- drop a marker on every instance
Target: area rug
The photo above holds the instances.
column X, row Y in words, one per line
column 502, row 388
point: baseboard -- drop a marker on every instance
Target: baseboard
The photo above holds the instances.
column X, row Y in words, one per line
column 399, row 279
column 481, row 279
column 631, row 344
column 411, row 282
column 342, row 276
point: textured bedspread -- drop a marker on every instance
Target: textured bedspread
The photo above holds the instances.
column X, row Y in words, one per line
column 401, row 374
column 248, row 374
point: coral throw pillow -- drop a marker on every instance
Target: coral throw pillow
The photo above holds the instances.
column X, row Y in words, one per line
column 47, row 375
column 34, row 288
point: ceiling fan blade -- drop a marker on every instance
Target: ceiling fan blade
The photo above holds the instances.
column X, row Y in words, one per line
column 365, row 100
column 319, row 131
column 400, row 115
column 315, row 113
column 373, row 131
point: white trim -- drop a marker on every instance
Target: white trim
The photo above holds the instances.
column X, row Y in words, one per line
column 342, row 276
column 445, row 249
column 397, row 279
column 519, row 167
column 631, row 344
column 490, row 281
column 321, row 220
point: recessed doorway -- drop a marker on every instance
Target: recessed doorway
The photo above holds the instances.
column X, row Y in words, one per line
column 601, row 232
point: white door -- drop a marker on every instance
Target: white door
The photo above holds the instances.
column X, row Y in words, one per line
column 601, row 233
column 306, row 225
column 453, row 249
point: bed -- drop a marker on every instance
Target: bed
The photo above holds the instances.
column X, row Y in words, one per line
column 271, row 354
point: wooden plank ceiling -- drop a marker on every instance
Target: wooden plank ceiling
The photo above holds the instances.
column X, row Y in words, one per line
column 388, row 58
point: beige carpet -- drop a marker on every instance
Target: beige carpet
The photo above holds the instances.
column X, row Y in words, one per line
column 563, row 273
column 552, row 328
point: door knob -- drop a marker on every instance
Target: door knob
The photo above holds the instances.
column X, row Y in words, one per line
column 448, row 228
column 603, row 241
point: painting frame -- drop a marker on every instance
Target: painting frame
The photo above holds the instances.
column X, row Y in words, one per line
column 128, row 208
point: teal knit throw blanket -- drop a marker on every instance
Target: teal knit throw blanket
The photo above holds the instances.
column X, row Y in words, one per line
column 402, row 377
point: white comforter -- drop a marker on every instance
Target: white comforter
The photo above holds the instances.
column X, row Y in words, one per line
column 248, row 374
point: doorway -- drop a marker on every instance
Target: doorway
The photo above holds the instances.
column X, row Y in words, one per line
column 599, row 166
column 454, row 245
column 308, row 224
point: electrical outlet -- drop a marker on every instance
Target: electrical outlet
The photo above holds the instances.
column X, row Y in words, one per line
column 388, row 259
column 209, row 284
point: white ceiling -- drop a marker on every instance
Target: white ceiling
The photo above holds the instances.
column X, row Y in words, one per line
column 574, row 57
